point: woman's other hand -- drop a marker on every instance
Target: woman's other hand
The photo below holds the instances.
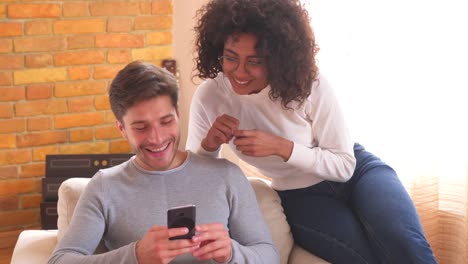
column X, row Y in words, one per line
column 258, row 143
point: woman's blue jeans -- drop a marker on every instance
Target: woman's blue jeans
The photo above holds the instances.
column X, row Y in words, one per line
column 368, row 219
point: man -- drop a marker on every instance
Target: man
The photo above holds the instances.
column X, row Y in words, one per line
column 126, row 205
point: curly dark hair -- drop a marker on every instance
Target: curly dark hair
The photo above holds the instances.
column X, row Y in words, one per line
column 284, row 37
column 140, row 81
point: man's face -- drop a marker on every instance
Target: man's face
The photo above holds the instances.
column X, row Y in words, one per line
column 152, row 130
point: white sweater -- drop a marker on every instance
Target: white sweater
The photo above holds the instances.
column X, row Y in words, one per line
column 322, row 150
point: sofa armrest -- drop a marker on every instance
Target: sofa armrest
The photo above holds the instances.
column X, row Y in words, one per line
column 272, row 211
column 34, row 246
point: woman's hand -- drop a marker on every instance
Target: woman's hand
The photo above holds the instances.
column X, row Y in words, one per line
column 220, row 132
column 215, row 243
column 258, row 143
column 156, row 248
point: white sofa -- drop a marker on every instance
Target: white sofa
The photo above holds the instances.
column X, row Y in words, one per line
column 35, row 246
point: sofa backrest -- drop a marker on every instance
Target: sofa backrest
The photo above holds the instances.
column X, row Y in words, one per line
column 68, row 194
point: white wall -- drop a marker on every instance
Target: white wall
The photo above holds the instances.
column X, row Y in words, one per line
column 184, row 13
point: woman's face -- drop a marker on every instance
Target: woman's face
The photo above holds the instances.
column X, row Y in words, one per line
column 244, row 68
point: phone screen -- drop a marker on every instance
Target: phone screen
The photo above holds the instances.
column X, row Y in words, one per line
column 182, row 216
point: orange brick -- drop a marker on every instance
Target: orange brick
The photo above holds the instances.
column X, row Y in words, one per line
column 38, row 60
column 79, row 120
column 9, row 62
column 75, row 9
column 39, row 153
column 85, row 148
column 102, row 102
column 34, row 10
column 16, row 156
column 78, row 135
column 10, row 29
column 107, row 71
column 17, row 218
column 8, row 202
column 159, row 38
column 39, row 91
column 81, row 41
column 152, row 53
column 6, row 45
column 31, row 201
column 32, row 170
column 43, row 75
column 38, row 27
column 120, row 41
column 109, row 117
column 107, row 132
column 39, row 123
column 79, row 26
column 114, row 9
column 38, row 185
column 41, row 138
column 6, row 110
column 8, row 172
column 119, row 146
column 161, row 7
column 6, row 78
column 79, row 57
column 13, row 125
column 79, row 73
column 145, row 8
column 41, row 107
column 80, row 104
column 31, row 44
column 153, row 23
column 11, row 94
column 17, row 186
column 8, row 141
column 118, row 56
column 119, row 24
column 80, row 88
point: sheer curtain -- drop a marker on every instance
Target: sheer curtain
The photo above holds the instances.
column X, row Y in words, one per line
column 400, row 70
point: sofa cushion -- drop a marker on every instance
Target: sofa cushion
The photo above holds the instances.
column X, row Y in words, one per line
column 34, row 246
column 272, row 211
column 68, row 193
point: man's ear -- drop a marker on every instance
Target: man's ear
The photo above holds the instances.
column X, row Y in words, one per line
column 121, row 128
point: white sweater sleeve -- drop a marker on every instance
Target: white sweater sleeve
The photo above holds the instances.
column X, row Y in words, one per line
column 199, row 123
column 332, row 157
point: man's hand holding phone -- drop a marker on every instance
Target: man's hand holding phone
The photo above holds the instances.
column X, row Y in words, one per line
column 162, row 244
column 215, row 243
column 157, row 248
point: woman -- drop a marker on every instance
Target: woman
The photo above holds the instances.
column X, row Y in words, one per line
column 265, row 97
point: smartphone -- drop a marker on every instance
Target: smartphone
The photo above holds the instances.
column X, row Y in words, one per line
column 182, row 216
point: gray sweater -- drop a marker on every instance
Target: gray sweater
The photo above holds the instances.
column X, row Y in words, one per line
column 120, row 204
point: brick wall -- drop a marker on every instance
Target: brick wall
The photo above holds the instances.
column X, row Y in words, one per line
column 57, row 59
